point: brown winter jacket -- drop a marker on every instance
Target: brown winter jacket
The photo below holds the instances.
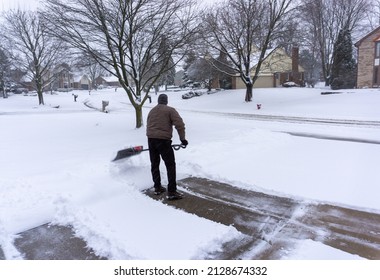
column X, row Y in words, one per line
column 161, row 120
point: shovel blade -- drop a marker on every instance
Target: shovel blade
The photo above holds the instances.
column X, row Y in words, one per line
column 128, row 152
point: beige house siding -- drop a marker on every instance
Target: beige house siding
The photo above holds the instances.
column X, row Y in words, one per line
column 275, row 65
column 261, row 82
column 366, row 59
column 276, row 61
column 264, row 81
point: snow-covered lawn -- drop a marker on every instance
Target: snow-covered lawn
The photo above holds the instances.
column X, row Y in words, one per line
column 56, row 165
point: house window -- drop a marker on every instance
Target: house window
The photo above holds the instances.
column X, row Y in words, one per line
column 377, row 50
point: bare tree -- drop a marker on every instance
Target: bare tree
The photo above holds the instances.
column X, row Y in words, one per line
column 373, row 15
column 35, row 51
column 243, row 31
column 291, row 34
column 210, row 71
column 324, row 19
column 124, row 37
column 309, row 61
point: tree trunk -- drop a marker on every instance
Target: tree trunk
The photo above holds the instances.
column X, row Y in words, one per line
column 136, row 102
column 40, row 93
column 139, row 116
column 40, row 98
column 248, row 95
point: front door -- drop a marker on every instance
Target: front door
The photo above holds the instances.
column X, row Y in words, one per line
column 376, row 76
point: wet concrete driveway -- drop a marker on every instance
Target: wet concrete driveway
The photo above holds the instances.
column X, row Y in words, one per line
column 271, row 225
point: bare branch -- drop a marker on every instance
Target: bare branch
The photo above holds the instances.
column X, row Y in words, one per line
column 36, row 51
column 124, row 37
column 243, row 30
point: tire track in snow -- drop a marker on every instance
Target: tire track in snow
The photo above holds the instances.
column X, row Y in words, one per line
column 295, row 119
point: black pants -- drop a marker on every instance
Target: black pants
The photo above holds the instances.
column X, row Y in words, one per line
column 162, row 148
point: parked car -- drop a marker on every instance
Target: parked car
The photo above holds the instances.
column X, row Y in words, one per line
column 290, row 84
column 21, row 90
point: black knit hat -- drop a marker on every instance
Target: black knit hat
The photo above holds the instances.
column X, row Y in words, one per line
column 163, row 99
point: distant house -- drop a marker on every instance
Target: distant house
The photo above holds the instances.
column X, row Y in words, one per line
column 110, row 81
column 81, row 81
column 63, row 77
column 369, row 60
column 27, row 82
column 67, row 80
column 277, row 68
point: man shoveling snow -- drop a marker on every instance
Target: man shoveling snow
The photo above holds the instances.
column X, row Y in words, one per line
column 161, row 120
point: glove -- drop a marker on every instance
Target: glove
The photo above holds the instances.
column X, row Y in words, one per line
column 184, row 142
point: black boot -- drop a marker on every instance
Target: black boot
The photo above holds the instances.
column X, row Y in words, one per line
column 159, row 190
column 174, row 196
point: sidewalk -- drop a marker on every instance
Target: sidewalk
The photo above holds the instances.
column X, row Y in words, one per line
column 271, row 225
column 51, row 242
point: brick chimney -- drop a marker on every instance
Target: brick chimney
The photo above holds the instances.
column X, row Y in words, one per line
column 295, row 59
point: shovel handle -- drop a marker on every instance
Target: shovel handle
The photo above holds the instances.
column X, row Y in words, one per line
column 178, row 146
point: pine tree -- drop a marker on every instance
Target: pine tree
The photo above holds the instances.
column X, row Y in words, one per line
column 190, row 58
column 343, row 72
column 4, row 69
column 168, row 75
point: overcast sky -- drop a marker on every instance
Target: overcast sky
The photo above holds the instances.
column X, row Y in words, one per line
column 14, row 4
column 32, row 4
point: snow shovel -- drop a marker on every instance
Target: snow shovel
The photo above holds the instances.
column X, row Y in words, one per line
column 138, row 149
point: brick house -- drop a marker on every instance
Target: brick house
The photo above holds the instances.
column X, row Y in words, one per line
column 369, row 60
